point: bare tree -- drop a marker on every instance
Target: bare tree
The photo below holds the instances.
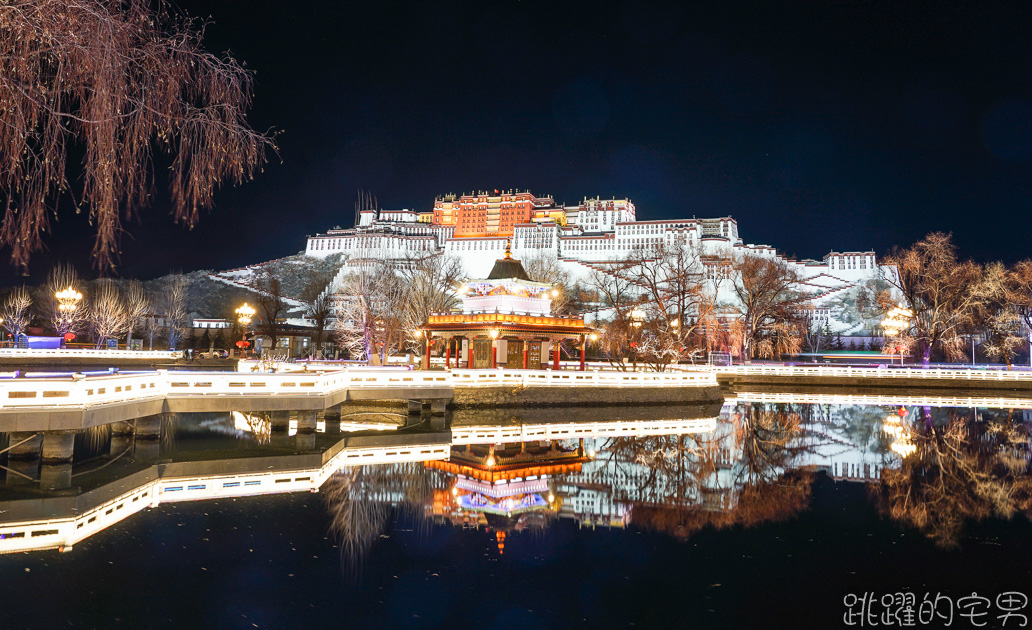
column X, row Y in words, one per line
column 937, row 289
column 16, row 311
column 171, row 307
column 119, row 78
column 271, row 307
column 429, row 285
column 62, row 276
column 768, row 306
column 545, row 267
column 617, row 294
column 137, row 305
column 108, row 314
column 370, row 313
column 319, row 309
column 994, row 317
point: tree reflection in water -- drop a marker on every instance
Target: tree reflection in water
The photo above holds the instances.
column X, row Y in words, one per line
column 360, row 498
column 962, row 469
column 744, row 473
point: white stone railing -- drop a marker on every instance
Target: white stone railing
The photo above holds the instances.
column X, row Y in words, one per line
column 905, row 400
column 865, row 372
column 79, row 391
column 89, row 353
column 63, row 533
column 85, row 391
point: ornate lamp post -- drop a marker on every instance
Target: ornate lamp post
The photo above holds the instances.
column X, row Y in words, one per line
column 68, row 301
column 895, row 322
column 244, row 315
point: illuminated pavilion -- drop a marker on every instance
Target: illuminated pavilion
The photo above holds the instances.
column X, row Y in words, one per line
column 506, row 321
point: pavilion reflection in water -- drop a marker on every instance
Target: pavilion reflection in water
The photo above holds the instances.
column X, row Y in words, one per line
column 751, row 464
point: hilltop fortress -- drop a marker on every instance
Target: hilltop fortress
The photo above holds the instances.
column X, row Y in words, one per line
column 582, row 237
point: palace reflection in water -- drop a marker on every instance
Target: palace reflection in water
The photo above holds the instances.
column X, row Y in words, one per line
column 676, row 470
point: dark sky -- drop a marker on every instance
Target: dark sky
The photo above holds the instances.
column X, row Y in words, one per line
column 817, row 125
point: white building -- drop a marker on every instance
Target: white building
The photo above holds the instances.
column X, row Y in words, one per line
column 582, row 238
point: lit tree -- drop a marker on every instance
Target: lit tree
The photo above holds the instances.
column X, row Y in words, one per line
column 16, row 310
column 369, row 307
column 171, row 307
column 107, row 312
column 768, row 306
column 137, row 306
column 995, row 317
column 68, row 320
column 937, row 289
column 615, row 292
column 118, row 79
column 429, row 284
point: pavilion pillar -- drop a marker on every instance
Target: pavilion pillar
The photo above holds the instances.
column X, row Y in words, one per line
column 469, row 363
column 526, row 354
column 583, row 352
column 426, row 353
column 494, row 354
column 447, row 354
column 555, row 354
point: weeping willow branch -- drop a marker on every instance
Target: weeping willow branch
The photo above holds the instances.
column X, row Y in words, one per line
column 113, row 80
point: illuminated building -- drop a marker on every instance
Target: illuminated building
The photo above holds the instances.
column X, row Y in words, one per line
column 507, row 320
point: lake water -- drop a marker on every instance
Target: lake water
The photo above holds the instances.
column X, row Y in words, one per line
column 755, row 514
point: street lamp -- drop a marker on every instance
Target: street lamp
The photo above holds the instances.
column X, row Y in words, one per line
column 637, row 317
column 244, row 315
column 895, row 322
column 68, row 301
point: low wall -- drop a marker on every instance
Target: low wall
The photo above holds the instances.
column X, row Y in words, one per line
column 518, row 396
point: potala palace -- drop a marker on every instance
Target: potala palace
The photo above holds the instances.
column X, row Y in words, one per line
column 583, row 237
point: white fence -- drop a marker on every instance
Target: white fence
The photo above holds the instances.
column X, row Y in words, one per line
column 63, row 533
column 867, row 372
column 84, row 391
column 89, row 353
column 904, row 400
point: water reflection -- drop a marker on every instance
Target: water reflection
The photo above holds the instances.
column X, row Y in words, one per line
column 967, row 466
column 502, row 474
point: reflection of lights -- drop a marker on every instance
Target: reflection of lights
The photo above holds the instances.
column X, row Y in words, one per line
column 551, row 498
column 454, row 491
column 462, row 290
column 902, row 445
column 591, row 453
column 903, row 449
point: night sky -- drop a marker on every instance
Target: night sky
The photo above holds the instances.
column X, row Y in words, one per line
column 817, row 125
